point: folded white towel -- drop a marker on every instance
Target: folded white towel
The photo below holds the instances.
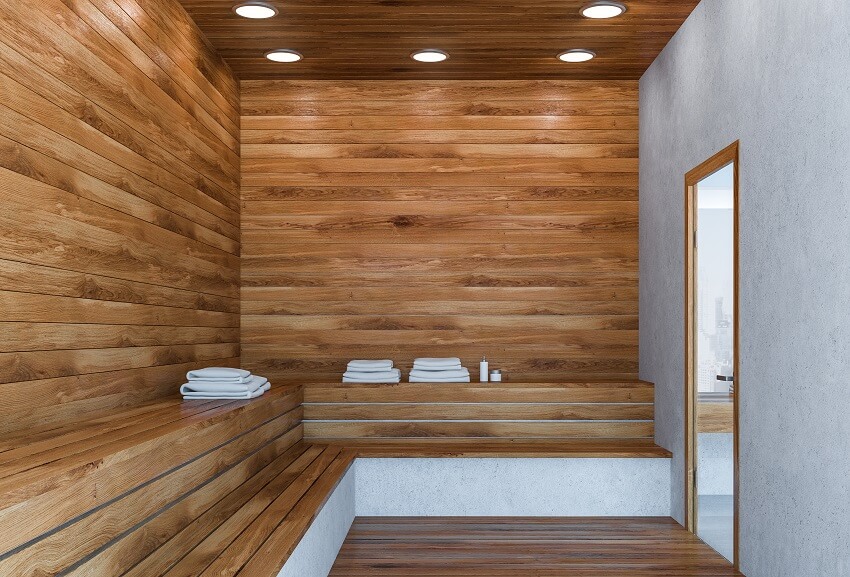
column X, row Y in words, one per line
column 367, row 366
column 437, row 369
column 453, row 374
column 220, row 374
column 196, row 386
column 392, row 381
column 433, row 380
column 227, row 396
column 430, row 363
column 393, row 374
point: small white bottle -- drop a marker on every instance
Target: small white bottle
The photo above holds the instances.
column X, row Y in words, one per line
column 483, row 370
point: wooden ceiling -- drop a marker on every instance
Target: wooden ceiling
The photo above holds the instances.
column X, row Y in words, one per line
column 487, row 39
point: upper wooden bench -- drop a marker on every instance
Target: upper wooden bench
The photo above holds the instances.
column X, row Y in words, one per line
column 566, row 419
column 137, row 491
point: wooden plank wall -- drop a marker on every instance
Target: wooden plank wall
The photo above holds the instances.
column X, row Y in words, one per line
column 119, row 234
column 440, row 218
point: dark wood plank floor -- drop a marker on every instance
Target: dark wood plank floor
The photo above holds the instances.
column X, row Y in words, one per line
column 537, row 547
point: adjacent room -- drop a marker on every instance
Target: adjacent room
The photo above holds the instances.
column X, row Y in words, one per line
column 408, row 288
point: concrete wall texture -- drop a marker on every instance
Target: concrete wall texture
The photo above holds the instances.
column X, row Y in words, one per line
column 774, row 74
column 512, row 487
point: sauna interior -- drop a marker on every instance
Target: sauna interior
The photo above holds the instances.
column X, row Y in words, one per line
column 408, row 288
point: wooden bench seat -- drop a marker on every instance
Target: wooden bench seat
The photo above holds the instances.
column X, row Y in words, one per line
column 208, row 488
column 247, row 529
column 70, row 493
column 504, row 448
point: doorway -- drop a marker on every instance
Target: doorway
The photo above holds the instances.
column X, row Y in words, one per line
column 711, row 352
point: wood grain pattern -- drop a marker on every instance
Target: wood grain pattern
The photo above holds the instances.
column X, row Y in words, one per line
column 515, row 546
column 468, row 412
column 478, row 429
column 79, row 468
column 505, row 448
column 373, row 39
column 107, row 492
column 715, row 417
column 440, row 218
column 119, row 250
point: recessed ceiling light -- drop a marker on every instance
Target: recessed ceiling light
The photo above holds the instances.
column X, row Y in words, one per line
column 255, row 10
column 429, row 55
column 576, row 55
column 284, row 55
column 603, row 9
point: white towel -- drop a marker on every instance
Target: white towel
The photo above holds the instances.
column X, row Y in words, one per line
column 210, row 387
column 431, row 364
column 220, row 374
column 453, row 374
column 367, row 366
column 384, row 375
column 393, row 376
column 227, row 396
column 433, row 380
column 437, row 369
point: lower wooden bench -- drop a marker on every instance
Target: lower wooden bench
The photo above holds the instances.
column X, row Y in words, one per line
column 250, row 531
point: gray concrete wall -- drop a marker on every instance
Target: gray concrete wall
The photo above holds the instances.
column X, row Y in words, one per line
column 776, row 75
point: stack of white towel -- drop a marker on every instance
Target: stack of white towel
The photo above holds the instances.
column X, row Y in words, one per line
column 364, row 371
column 223, row 383
column 439, row 371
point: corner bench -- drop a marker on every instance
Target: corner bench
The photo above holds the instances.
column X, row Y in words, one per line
column 210, row 488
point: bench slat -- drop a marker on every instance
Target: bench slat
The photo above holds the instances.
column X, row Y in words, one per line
column 41, row 499
column 62, row 549
column 159, row 544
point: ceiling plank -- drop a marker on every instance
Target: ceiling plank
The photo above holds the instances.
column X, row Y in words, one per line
column 486, row 39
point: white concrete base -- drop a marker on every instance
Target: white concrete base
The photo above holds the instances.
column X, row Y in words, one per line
column 505, row 487
column 316, row 552
column 529, row 487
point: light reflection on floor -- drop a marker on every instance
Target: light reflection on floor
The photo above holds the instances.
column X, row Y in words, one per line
column 715, row 523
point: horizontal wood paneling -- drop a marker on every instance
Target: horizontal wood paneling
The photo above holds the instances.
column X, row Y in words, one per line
column 580, row 448
column 360, row 39
column 119, row 250
column 519, row 412
column 440, row 218
column 501, row 429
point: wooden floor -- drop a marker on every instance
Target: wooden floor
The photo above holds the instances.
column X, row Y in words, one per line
column 522, row 547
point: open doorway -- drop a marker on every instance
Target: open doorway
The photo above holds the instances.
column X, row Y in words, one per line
column 711, row 351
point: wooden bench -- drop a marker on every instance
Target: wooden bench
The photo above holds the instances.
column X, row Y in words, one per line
column 565, row 419
column 509, row 448
column 165, row 487
column 210, row 488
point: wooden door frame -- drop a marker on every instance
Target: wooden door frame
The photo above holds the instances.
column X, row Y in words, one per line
column 723, row 158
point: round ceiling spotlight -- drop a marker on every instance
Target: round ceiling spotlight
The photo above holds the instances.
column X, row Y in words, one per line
column 283, row 55
column 603, row 9
column 429, row 55
column 255, row 10
column 576, row 55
